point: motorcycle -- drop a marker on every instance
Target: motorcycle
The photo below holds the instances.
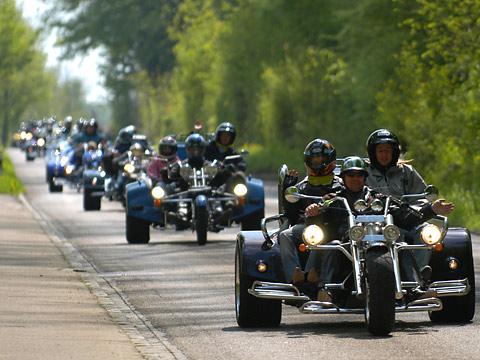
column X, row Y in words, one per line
column 93, row 179
column 203, row 206
column 373, row 286
column 132, row 168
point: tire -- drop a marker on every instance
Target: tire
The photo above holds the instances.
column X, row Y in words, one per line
column 137, row 230
column 457, row 309
column 201, row 224
column 91, row 202
column 379, row 292
column 251, row 311
column 54, row 188
column 253, row 221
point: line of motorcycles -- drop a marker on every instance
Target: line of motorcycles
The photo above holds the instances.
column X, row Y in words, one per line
column 203, row 207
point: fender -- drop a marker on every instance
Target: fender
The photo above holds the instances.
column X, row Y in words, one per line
column 457, row 244
column 255, row 199
column 140, row 202
column 201, row 201
column 89, row 175
column 250, row 246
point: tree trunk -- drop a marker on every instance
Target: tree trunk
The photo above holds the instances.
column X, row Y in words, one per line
column 6, row 119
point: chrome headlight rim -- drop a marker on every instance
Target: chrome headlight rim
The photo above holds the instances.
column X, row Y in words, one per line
column 431, row 234
column 391, row 233
column 357, row 233
column 158, row 193
column 313, row 235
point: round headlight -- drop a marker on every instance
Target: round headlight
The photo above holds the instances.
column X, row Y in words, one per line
column 23, row 135
column 129, row 168
column 360, row 205
column 431, row 234
column 69, row 169
column 158, row 192
column 41, row 142
column 357, row 233
column 240, row 190
column 377, row 205
column 391, row 233
column 313, row 235
column 29, row 136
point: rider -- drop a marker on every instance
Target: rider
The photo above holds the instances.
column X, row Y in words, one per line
column 90, row 133
column 319, row 160
column 391, row 176
column 167, row 156
column 221, row 147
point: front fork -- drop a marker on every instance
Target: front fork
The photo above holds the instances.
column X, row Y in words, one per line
column 357, row 272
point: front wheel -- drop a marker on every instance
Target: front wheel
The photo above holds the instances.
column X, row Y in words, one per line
column 379, row 292
column 201, row 224
column 250, row 310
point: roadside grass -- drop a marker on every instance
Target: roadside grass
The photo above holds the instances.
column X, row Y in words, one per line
column 9, row 183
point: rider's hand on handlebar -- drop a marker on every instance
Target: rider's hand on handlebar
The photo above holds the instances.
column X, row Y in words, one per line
column 440, row 207
column 312, row 210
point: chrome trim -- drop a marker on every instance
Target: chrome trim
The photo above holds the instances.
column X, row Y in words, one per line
column 276, row 291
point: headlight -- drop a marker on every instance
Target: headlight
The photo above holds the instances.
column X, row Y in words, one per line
column 210, row 170
column 23, row 135
column 29, row 136
column 357, row 233
column 431, row 234
column 391, row 233
column 158, row 192
column 377, row 205
column 313, row 235
column 240, row 190
column 360, row 205
column 185, row 172
column 41, row 142
column 69, row 169
column 129, row 168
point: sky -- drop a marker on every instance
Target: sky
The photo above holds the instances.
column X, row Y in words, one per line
column 84, row 68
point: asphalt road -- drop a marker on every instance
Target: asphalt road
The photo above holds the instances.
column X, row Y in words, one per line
column 186, row 292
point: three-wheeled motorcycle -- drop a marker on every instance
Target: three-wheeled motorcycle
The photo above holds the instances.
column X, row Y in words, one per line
column 373, row 285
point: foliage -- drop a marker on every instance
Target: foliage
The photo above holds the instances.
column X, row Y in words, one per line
column 9, row 183
column 433, row 98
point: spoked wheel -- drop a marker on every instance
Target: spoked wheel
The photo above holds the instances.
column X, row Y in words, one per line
column 379, row 292
column 250, row 310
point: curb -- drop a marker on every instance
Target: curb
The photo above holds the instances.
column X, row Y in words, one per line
column 152, row 343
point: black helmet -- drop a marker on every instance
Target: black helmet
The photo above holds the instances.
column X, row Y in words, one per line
column 167, row 147
column 354, row 163
column 125, row 134
column 382, row 136
column 195, row 146
column 225, row 127
column 320, row 156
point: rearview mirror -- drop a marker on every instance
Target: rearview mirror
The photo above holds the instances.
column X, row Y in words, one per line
column 291, row 194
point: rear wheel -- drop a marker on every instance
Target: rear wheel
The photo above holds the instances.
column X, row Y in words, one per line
column 91, row 202
column 253, row 221
column 458, row 309
column 252, row 311
column 137, row 230
column 201, row 224
column 379, row 292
